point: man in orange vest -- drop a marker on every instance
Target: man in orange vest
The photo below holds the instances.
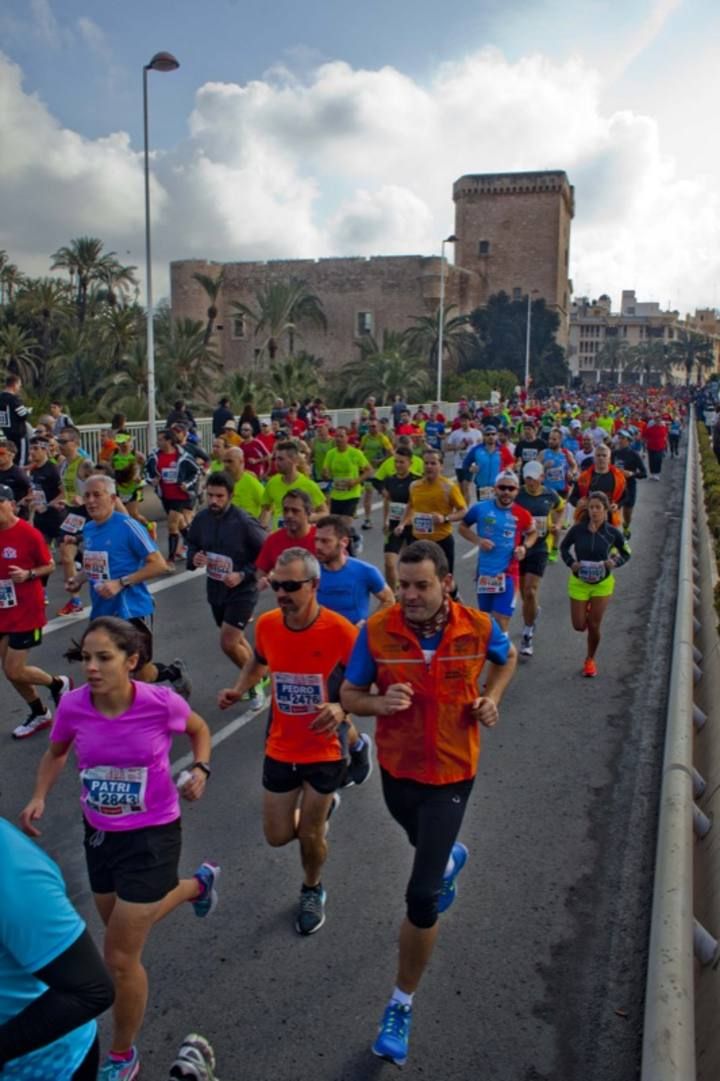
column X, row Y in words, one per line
column 425, row 655
column 600, row 477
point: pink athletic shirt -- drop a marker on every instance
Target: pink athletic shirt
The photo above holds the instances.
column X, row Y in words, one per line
column 124, row 761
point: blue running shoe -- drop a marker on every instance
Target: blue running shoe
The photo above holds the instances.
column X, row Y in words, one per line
column 394, row 1035
column 449, row 889
column 207, row 873
column 111, row 1070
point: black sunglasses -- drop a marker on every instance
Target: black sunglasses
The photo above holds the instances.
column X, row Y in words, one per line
column 506, row 488
column 289, row 587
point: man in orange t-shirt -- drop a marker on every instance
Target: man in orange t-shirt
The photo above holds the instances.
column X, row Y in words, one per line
column 305, row 648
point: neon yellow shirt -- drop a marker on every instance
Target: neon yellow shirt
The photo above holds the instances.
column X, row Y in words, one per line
column 343, row 467
column 248, row 494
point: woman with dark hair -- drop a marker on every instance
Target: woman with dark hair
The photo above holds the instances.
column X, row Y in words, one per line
column 249, row 416
column 592, row 549
column 122, row 731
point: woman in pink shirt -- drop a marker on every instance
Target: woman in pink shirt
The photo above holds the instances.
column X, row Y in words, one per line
column 122, row 731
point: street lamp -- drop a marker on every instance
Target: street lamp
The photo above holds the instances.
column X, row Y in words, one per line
column 527, row 342
column 160, row 62
column 452, row 239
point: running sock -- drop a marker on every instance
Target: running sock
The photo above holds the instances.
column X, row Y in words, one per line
column 401, row 997
column 312, row 889
column 203, row 889
column 172, row 544
column 36, row 707
column 529, row 630
column 358, row 746
column 57, row 684
column 167, row 673
column 121, row 1056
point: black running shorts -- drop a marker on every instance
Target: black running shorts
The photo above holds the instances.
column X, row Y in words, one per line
column 324, row 777
column 140, row 866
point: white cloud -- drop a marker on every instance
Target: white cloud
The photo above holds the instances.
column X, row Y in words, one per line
column 346, row 161
column 93, row 36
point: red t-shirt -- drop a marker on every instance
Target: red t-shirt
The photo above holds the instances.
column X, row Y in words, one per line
column 168, row 469
column 268, row 440
column 277, row 542
column 524, row 522
column 298, row 427
column 655, row 436
column 255, row 452
column 22, row 605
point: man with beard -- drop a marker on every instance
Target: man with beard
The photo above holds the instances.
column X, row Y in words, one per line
column 226, row 541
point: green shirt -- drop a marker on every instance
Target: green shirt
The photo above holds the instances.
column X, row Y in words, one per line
column 248, row 494
column 343, row 467
column 387, row 469
column 320, row 447
column 375, row 447
column 276, row 489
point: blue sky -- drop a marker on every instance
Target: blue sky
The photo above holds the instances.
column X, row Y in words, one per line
column 316, row 129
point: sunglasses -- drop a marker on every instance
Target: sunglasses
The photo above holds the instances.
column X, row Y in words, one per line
column 506, row 488
column 289, row 587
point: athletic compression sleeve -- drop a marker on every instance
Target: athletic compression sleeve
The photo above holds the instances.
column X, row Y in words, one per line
column 79, row 989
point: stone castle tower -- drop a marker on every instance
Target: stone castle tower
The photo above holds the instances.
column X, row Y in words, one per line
column 513, row 233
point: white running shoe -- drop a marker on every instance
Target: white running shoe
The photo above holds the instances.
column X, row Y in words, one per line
column 34, row 723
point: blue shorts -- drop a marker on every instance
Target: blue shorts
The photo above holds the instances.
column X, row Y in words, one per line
column 503, row 604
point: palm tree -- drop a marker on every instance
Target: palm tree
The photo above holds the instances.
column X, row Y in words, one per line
column 47, row 303
column 385, row 370
column 18, row 352
column 239, row 387
column 294, row 378
column 86, row 263
column 195, row 364
column 118, row 329
column 75, row 370
column 613, row 354
column 114, row 279
column 458, row 341
column 692, row 350
column 649, row 357
column 10, row 281
column 212, row 287
column 281, row 307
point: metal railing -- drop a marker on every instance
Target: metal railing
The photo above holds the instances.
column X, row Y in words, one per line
column 93, row 434
column 675, row 936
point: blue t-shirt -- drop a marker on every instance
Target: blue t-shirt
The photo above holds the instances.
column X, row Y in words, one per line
column 498, row 525
column 348, row 590
column 37, row 925
column 488, row 462
column 556, row 468
column 362, row 669
column 572, row 444
column 434, row 430
column 112, row 549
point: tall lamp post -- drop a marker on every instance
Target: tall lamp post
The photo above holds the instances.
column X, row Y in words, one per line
column 527, row 341
column 160, row 62
column 452, row 239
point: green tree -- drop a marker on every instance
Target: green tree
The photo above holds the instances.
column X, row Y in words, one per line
column 87, row 264
column 650, row 358
column 212, row 287
column 459, row 343
column 693, row 351
column 385, row 370
column 196, row 365
column 44, row 305
column 613, row 356
column 19, row 352
column 242, row 387
column 281, row 310
column 10, row 281
column 294, row 377
column 501, row 328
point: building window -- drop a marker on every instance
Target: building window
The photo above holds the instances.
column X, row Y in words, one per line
column 517, row 293
column 484, row 247
column 238, row 326
column 364, row 324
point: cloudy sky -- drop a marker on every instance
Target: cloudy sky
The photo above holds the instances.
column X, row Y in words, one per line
column 315, row 129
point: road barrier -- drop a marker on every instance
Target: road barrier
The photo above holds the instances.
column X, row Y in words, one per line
column 676, row 937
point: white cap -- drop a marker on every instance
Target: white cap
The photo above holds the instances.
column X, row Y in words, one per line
column 534, row 470
column 575, row 424
column 508, row 475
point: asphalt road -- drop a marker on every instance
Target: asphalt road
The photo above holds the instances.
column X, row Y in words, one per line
column 539, row 968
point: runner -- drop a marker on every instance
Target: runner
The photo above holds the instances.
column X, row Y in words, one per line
column 655, row 438
column 297, row 532
column 560, row 469
column 257, row 458
column 11, row 475
column 592, row 549
column 434, row 504
column 119, row 557
column 547, row 510
column 504, row 534
column 601, row 476
column 529, row 446
column 428, row 717
column 122, row 731
column 347, row 469
column 247, row 492
column 53, row 982
column 226, row 541
column 376, row 447
column 481, row 465
column 24, row 561
column 288, row 476
column 127, row 465
column 396, row 496
column 174, row 474
column 460, row 441
column 346, row 584
column 633, row 469
column 46, row 489
column 305, row 649
column 14, row 416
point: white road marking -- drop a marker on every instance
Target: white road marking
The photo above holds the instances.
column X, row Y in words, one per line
column 219, row 737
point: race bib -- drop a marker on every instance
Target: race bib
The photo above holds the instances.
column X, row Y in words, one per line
column 96, row 566
column 555, row 473
column 218, row 567
column 39, row 501
column 114, row 790
column 8, row 597
column 4, row 418
column 529, row 454
column 298, row 694
column 169, row 475
column 396, row 511
column 541, row 525
column 423, row 523
column 485, row 493
column 591, row 573
column 491, row 583
column 73, row 523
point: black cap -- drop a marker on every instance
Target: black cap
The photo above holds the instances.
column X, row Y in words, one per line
column 6, row 494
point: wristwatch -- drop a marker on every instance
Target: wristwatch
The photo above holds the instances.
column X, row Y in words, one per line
column 31, row 576
column 124, row 581
column 203, row 766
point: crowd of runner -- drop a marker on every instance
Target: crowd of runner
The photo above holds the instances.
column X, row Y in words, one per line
column 276, row 504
